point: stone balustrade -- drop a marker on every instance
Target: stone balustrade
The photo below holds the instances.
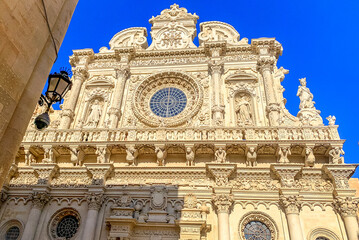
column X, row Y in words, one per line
column 294, row 134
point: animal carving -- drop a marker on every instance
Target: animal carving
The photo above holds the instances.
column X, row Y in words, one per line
column 251, row 157
column 309, row 157
column 161, row 156
column 131, row 156
column 189, row 156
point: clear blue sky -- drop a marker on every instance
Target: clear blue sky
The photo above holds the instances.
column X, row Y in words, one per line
column 319, row 40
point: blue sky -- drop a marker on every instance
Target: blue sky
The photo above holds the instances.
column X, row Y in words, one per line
column 319, row 40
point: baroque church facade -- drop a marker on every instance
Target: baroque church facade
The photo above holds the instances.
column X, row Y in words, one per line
column 173, row 141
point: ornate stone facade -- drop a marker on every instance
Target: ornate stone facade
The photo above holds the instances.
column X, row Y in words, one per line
column 174, row 141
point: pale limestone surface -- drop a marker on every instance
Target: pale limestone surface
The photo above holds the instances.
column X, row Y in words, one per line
column 233, row 155
column 26, row 57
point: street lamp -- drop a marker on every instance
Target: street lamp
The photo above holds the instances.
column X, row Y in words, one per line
column 58, row 85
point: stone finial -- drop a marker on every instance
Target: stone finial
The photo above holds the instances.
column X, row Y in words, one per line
column 331, row 120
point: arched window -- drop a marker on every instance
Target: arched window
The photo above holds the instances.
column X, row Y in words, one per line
column 64, row 224
column 256, row 230
column 257, row 226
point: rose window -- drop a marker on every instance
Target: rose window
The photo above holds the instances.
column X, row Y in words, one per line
column 167, row 99
column 168, row 102
column 67, row 227
column 256, row 230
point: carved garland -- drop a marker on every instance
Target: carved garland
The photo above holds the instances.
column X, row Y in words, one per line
column 260, row 217
column 155, row 82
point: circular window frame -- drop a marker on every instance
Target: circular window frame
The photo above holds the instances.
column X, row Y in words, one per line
column 9, row 224
column 259, row 217
column 155, row 82
column 322, row 232
column 57, row 217
column 156, row 101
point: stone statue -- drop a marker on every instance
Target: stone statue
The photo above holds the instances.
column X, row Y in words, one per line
column 331, row 120
column 243, row 111
column 283, row 154
column 49, row 155
column 251, row 160
column 95, row 114
column 305, row 96
column 309, row 157
column 131, row 156
column 334, row 156
column 220, row 155
column 101, row 154
column 75, row 158
column 189, row 156
column 161, row 156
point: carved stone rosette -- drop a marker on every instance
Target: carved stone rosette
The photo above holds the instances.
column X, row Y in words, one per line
column 94, row 201
column 222, row 202
column 346, row 206
column 39, row 199
column 291, row 204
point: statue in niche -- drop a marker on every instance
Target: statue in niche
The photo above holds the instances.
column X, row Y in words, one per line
column 334, row 156
column 220, row 155
column 95, row 114
column 243, row 110
column 305, row 96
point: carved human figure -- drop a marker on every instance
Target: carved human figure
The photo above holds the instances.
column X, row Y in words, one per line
column 29, row 157
column 131, row 155
column 331, row 120
column 95, row 114
column 334, row 156
column 243, row 111
column 101, row 154
column 76, row 156
column 49, row 155
column 305, row 96
column 309, row 157
column 161, row 156
column 251, row 160
column 189, row 156
column 220, row 155
column 283, row 154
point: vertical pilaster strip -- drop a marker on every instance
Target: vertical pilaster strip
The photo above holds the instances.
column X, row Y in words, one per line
column 94, row 201
column 292, row 205
column 223, row 203
column 347, row 208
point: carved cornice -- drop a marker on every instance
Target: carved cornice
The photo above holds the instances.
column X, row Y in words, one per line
column 291, row 204
column 94, row 201
column 286, row 173
column 346, row 206
column 222, row 202
column 100, row 172
column 340, row 174
column 45, row 171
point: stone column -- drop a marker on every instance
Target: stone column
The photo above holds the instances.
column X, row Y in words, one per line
column 94, row 201
column 223, row 203
column 39, row 199
column 347, row 207
column 216, row 70
column 115, row 110
column 292, row 205
column 67, row 114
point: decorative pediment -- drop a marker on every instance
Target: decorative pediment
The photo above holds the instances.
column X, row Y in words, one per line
column 219, row 31
column 130, row 37
column 173, row 29
column 242, row 75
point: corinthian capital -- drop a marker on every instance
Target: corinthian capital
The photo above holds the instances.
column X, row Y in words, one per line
column 79, row 73
column 215, row 67
column 222, row 202
column 266, row 63
column 123, row 72
column 346, row 206
column 291, row 204
column 94, row 201
column 39, row 199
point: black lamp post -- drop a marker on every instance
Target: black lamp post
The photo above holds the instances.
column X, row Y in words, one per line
column 58, row 85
